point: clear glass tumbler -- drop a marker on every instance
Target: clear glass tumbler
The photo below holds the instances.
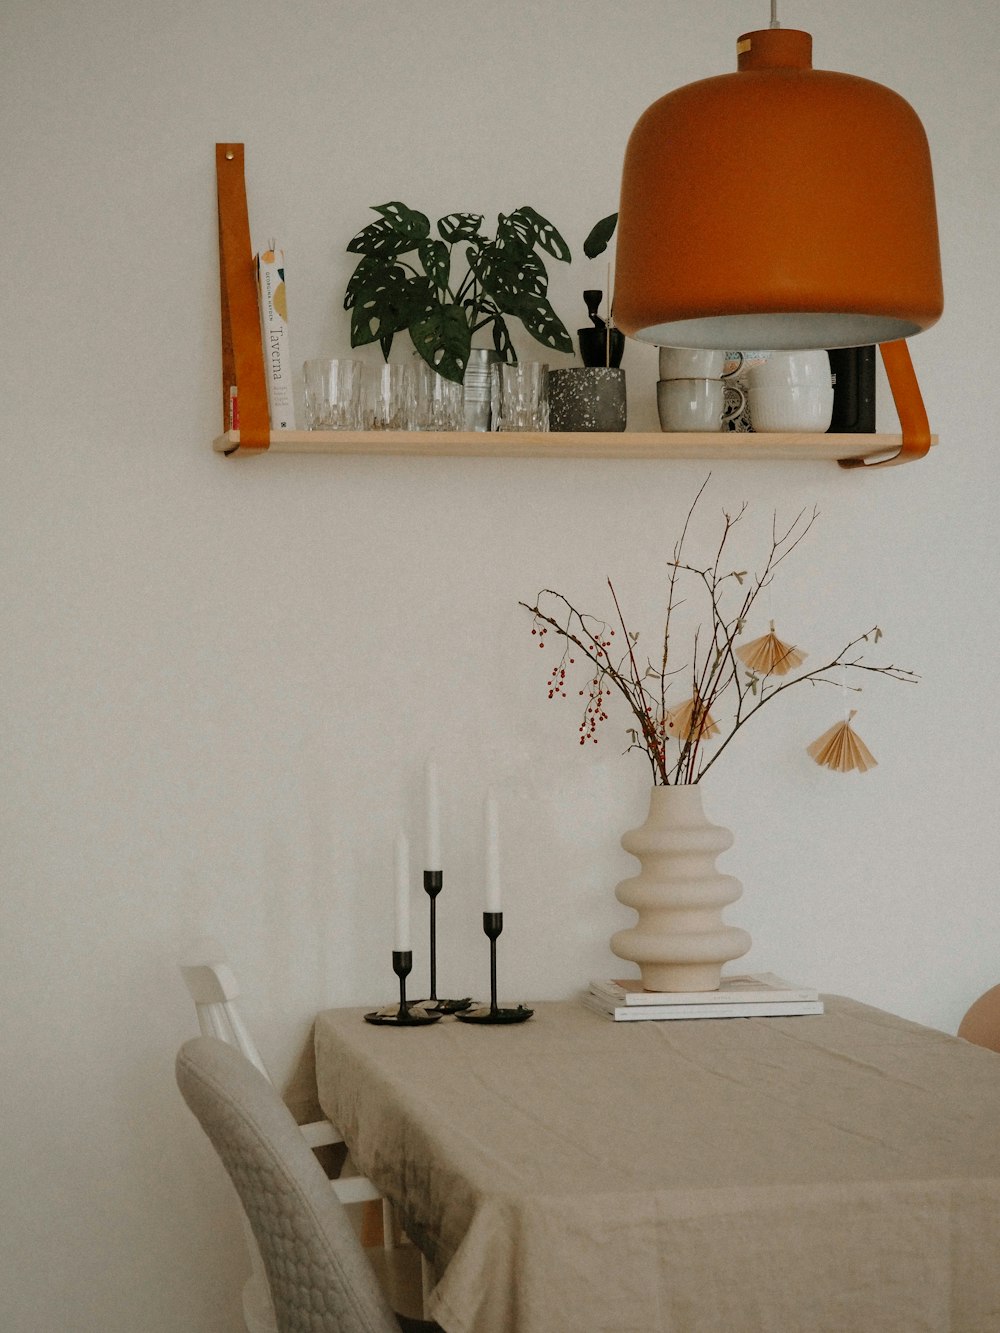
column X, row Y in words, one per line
column 520, row 396
column 440, row 403
column 333, row 394
column 389, row 397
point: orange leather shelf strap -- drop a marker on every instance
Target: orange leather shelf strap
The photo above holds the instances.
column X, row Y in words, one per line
column 242, row 352
column 909, row 407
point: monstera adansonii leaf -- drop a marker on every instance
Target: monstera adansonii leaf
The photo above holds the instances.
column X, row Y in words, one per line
column 443, row 338
column 384, row 298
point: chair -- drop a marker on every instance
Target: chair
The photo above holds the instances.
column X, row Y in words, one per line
column 320, row 1279
column 981, row 1024
column 214, row 990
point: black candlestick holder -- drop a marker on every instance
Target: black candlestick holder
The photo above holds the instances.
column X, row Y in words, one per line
column 433, row 884
column 406, row 1015
column 492, row 926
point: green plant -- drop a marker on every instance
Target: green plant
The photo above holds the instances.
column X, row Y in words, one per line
column 403, row 281
column 599, row 236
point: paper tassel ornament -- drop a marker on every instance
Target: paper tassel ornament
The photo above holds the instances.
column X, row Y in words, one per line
column 842, row 749
column 681, row 721
column 768, row 656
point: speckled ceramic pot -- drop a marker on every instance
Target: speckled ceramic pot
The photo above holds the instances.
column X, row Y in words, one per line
column 587, row 398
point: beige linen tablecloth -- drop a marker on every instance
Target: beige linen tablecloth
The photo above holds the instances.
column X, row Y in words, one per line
column 830, row 1174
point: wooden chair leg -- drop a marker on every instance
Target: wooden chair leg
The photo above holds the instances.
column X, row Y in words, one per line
column 372, row 1226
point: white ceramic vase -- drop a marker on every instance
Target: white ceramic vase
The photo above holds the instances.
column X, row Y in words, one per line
column 680, row 941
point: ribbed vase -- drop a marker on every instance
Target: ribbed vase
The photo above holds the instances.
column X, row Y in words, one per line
column 680, row 941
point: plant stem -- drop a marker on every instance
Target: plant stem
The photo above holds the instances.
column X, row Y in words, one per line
column 712, row 671
column 816, row 675
column 655, row 745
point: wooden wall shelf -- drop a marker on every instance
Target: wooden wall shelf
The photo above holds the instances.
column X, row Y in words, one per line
column 620, row 445
column 243, row 366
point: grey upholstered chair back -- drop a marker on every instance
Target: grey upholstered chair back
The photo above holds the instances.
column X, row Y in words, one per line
column 320, row 1280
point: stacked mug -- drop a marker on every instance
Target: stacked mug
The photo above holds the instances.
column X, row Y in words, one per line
column 695, row 392
column 791, row 391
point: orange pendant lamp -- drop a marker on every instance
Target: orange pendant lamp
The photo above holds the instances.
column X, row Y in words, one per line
column 820, row 231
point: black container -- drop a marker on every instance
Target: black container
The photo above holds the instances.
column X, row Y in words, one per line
column 601, row 347
column 853, row 370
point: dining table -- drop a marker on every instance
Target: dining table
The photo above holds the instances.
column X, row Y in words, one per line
column 830, row 1173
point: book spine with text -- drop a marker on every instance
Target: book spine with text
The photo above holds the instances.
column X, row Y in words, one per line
column 273, row 301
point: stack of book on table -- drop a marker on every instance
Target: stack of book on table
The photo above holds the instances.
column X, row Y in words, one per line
column 758, row 995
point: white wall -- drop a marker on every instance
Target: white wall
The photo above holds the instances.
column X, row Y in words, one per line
column 221, row 678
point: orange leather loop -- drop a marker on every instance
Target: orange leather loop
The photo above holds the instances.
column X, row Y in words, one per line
column 243, row 354
column 909, row 407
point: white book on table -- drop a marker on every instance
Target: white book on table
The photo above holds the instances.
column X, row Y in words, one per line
column 630, row 1013
column 751, row 988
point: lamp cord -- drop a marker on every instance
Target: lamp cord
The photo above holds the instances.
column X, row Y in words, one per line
column 774, row 14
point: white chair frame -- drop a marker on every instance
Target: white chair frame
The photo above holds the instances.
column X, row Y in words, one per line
column 213, row 987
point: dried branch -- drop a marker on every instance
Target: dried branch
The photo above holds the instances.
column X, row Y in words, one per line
column 714, row 668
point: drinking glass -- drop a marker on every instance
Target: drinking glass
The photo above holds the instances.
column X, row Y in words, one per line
column 389, row 400
column 333, row 394
column 439, row 403
column 520, row 399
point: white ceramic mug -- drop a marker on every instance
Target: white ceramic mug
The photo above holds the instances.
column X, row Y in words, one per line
column 806, row 368
column 682, row 363
column 790, row 407
column 697, row 404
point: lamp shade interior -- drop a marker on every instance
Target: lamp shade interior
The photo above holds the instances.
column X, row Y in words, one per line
column 778, row 331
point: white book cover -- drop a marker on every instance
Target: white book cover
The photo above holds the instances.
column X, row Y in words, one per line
column 273, row 300
column 752, row 988
column 625, row 1013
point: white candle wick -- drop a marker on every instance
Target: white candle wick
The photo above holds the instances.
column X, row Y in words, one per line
column 401, row 942
column 493, row 900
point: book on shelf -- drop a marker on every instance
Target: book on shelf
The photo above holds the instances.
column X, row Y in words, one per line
column 631, row 1013
column 751, row 988
column 273, row 301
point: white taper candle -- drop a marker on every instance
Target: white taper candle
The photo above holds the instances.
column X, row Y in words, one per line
column 432, row 859
column 401, row 940
column 493, row 900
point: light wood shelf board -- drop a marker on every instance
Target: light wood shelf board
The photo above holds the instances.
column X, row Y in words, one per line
column 612, row 445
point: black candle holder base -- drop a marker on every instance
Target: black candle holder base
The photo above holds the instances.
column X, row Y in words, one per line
column 406, row 1018
column 444, row 1007
column 405, row 1014
column 491, row 1015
